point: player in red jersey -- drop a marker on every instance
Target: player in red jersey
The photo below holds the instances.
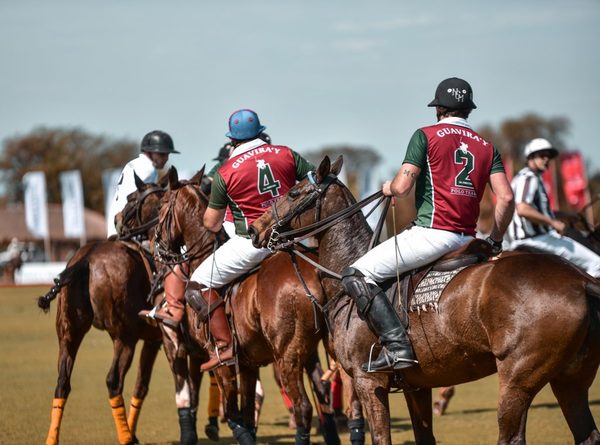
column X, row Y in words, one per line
column 450, row 164
column 254, row 176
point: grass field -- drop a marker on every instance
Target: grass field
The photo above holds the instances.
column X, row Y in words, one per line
column 28, row 376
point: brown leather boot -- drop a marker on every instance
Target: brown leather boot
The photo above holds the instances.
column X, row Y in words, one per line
column 219, row 329
column 171, row 313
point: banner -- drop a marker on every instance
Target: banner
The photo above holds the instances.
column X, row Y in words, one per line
column 110, row 179
column 574, row 177
column 549, row 179
column 36, row 209
column 71, row 191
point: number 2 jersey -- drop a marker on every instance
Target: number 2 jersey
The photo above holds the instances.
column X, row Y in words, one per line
column 456, row 164
column 255, row 176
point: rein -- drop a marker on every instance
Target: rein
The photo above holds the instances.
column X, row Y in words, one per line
column 163, row 247
column 136, row 213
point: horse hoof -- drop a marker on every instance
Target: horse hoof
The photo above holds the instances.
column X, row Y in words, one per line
column 212, row 432
column 439, row 407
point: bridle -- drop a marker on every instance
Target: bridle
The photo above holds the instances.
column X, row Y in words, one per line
column 134, row 214
column 283, row 240
column 168, row 219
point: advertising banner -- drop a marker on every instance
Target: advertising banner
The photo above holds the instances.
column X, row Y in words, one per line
column 36, row 208
column 71, row 190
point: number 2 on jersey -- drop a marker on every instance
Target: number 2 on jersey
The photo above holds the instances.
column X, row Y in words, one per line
column 463, row 179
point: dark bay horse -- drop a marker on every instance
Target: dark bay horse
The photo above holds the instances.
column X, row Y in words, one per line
column 532, row 318
column 272, row 316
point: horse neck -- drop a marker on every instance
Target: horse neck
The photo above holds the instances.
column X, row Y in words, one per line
column 189, row 217
column 346, row 241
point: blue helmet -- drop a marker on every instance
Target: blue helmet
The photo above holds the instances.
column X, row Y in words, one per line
column 243, row 125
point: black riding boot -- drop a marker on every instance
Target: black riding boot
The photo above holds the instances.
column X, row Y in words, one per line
column 372, row 304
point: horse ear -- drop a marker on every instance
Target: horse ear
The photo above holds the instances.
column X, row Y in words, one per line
column 323, row 169
column 173, row 178
column 164, row 181
column 139, row 184
column 336, row 167
column 197, row 178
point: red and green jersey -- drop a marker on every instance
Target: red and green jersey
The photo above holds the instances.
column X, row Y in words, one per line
column 253, row 178
column 456, row 164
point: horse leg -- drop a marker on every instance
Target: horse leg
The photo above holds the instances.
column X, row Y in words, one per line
column 321, row 390
column 356, row 421
column 122, row 357
column 178, row 362
column 374, row 396
column 441, row 405
column 572, row 396
column 421, row 416
column 70, row 338
column 292, row 380
column 226, row 377
column 140, row 390
column 248, row 378
column 211, row 429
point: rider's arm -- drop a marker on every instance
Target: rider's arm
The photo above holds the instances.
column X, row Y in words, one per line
column 213, row 219
column 215, row 213
column 505, row 204
column 529, row 212
column 403, row 181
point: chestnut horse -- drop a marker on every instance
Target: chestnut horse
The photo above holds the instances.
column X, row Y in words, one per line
column 532, row 318
column 104, row 285
column 272, row 317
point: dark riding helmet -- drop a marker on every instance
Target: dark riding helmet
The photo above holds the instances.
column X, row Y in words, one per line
column 454, row 93
column 224, row 152
column 158, row 142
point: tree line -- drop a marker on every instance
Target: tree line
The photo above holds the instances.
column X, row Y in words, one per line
column 53, row 150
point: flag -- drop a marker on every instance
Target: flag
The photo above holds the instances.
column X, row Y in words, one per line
column 72, row 204
column 110, row 179
column 36, row 209
column 572, row 170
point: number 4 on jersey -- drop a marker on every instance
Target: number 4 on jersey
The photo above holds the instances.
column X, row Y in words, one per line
column 266, row 180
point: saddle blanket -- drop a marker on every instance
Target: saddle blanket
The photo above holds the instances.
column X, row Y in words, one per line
column 428, row 291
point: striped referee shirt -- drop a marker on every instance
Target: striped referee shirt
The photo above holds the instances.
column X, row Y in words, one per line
column 528, row 188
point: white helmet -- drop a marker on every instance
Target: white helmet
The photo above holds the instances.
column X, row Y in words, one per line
column 540, row 144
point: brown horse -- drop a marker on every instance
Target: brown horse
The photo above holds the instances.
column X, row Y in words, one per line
column 532, row 318
column 104, row 285
column 272, row 316
column 139, row 217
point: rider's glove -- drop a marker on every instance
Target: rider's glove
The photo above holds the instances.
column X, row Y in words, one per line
column 496, row 246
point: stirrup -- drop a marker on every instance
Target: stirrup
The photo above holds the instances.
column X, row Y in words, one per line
column 369, row 369
column 231, row 361
column 392, row 364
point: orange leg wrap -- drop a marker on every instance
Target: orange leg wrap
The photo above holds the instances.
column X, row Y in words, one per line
column 134, row 413
column 118, row 411
column 214, row 397
column 58, row 406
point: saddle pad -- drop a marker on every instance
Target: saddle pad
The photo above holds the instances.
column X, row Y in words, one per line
column 429, row 289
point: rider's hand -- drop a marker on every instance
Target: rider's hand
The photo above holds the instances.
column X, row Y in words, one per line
column 387, row 188
column 496, row 246
column 559, row 226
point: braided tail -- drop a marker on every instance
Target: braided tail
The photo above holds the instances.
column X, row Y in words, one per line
column 62, row 280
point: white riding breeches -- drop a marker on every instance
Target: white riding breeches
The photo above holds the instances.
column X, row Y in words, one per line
column 233, row 259
column 417, row 246
column 565, row 247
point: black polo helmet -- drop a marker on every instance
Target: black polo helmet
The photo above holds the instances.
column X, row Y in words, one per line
column 158, row 142
column 454, row 93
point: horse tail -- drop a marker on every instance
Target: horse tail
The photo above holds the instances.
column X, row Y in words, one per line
column 78, row 270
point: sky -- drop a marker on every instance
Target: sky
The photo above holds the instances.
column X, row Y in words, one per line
column 317, row 72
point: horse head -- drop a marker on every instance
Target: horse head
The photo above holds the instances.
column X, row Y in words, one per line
column 180, row 221
column 305, row 203
column 140, row 213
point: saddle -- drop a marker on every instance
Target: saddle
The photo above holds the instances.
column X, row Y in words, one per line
column 420, row 288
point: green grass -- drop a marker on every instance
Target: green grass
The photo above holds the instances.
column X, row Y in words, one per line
column 28, row 373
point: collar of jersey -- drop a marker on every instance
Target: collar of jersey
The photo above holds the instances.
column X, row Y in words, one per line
column 246, row 146
column 455, row 121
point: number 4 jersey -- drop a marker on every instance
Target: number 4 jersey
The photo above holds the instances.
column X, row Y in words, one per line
column 456, row 164
column 253, row 178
